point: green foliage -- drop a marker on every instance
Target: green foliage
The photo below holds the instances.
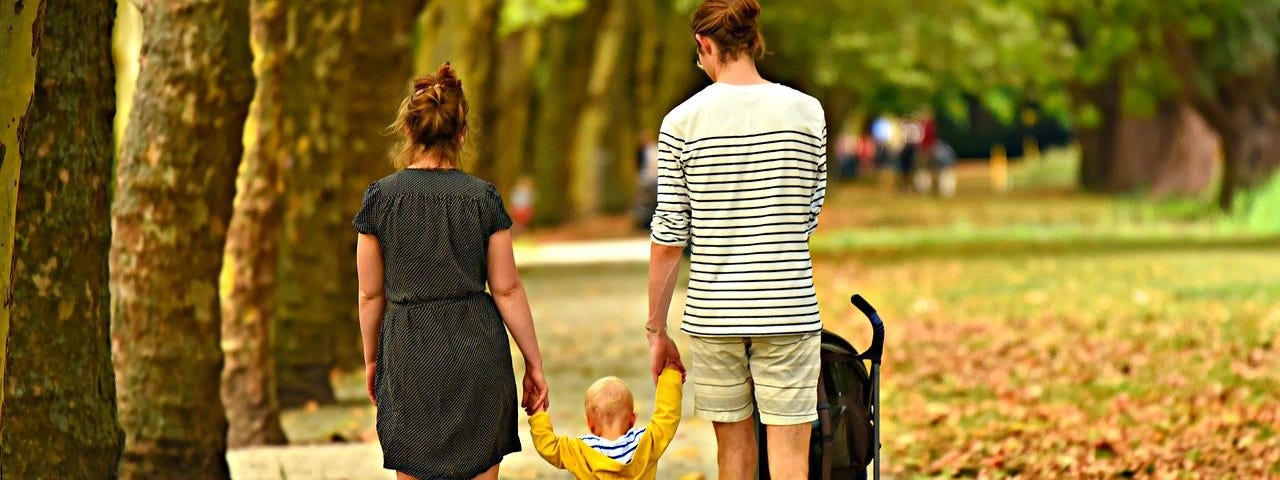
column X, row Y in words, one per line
column 1135, row 42
column 898, row 56
column 520, row 14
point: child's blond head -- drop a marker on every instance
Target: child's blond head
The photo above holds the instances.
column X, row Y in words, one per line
column 609, row 403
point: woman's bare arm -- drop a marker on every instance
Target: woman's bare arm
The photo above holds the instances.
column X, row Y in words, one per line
column 373, row 302
column 508, row 293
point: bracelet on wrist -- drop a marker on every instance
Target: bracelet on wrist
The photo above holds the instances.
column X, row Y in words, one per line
column 655, row 331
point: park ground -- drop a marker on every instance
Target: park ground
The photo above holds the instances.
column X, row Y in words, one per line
column 1041, row 333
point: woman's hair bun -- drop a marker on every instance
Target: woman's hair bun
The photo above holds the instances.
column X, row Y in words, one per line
column 433, row 117
column 447, row 76
column 732, row 24
column 743, row 13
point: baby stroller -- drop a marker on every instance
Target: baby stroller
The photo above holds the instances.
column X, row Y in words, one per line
column 846, row 437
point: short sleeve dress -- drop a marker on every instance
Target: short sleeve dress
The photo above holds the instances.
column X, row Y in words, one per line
column 445, row 385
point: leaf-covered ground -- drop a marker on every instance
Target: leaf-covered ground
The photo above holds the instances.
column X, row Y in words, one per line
column 1047, row 334
column 1041, row 333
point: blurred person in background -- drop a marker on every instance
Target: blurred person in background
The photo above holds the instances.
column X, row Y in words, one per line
column 741, row 180
column 885, row 132
column 924, row 172
column 646, row 180
column 521, row 205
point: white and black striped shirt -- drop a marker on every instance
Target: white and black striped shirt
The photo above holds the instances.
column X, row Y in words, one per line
column 742, row 177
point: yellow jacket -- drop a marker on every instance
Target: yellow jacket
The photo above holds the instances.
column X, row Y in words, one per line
column 584, row 462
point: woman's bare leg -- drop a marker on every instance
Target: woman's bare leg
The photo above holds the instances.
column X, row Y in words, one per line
column 405, row 476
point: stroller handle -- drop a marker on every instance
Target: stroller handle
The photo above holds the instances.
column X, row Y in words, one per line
column 876, row 350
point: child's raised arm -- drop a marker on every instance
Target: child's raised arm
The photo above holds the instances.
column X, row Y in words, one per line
column 666, row 409
column 545, row 441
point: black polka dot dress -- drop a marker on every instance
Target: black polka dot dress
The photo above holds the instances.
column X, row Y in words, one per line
column 444, row 384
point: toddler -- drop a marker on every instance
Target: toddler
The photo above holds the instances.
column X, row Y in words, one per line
column 616, row 448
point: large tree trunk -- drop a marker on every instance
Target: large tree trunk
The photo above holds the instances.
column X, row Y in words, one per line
column 506, row 122
column 1251, row 148
column 565, row 66
column 1173, row 152
column 1193, row 156
column 348, row 69
column 174, row 191
column 249, row 377
column 1246, row 113
column 588, row 155
column 60, row 416
column 1243, row 108
column 1097, row 142
column 22, row 27
column 314, row 233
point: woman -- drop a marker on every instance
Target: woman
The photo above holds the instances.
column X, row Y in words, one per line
column 742, row 177
column 437, row 360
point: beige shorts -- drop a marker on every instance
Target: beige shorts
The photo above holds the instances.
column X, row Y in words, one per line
column 779, row 373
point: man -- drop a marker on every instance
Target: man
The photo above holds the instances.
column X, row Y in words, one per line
column 742, row 178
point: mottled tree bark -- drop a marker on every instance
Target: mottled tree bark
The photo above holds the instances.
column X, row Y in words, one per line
column 506, row 118
column 313, row 238
column 60, row 415
column 586, row 156
column 249, row 377
column 479, row 75
column 1193, row 152
column 174, row 190
column 348, row 69
column 21, row 41
column 566, row 68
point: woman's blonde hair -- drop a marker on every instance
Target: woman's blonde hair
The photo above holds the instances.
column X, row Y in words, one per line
column 432, row 119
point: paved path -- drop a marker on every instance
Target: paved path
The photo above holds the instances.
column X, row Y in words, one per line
column 630, row 250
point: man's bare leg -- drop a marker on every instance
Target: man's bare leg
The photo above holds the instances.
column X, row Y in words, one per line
column 736, row 449
column 788, row 450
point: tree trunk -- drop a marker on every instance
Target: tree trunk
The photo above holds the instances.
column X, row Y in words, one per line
column 1193, row 154
column 1243, row 108
column 314, row 232
column 1245, row 111
column 565, row 67
column 249, row 378
column 1098, row 142
column 588, row 155
column 349, row 68
column 621, row 137
column 60, row 420
column 507, row 122
column 1250, row 147
column 23, row 24
column 465, row 34
column 837, row 104
column 1172, row 152
column 174, row 191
